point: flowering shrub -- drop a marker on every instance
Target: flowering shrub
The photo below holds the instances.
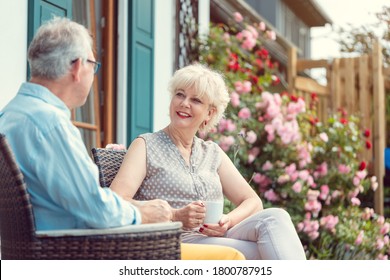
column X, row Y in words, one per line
column 310, row 168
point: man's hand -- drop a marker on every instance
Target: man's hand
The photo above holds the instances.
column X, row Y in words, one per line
column 155, row 211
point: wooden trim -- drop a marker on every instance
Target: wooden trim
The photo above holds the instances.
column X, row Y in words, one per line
column 309, row 85
column 291, row 68
column 85, row 125
column 303, row 64
column 379, row 125
column 108, row 44
column 96, row 100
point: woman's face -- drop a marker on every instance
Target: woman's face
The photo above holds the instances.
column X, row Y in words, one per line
column 188, row 110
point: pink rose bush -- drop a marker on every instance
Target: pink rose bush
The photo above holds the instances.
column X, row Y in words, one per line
column 292, row 160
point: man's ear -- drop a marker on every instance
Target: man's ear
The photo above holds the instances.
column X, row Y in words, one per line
column 76, row 69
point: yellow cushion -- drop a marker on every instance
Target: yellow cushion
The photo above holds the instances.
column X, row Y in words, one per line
column 209, row 252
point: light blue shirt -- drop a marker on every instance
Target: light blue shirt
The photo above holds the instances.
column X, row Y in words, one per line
column 61, row 177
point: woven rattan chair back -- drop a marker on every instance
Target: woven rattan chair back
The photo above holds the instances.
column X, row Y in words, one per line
column 16, row 215
column 108, row 162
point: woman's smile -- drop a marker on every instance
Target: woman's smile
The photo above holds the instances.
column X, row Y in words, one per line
column 183, row 115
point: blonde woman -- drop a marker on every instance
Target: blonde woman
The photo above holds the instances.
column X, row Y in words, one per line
column 175, row 165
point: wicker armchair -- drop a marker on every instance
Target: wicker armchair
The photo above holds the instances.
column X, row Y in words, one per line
column 20, row 240
column 108, row 161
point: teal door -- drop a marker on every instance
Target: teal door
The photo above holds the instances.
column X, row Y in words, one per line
column 40, row 11
column 141, row 57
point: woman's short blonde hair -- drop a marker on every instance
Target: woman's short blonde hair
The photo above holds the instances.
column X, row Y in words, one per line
column 207, row 83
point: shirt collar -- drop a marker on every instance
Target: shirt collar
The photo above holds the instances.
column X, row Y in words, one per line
column 43, row 93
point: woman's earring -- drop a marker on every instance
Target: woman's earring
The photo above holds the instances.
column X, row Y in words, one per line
column 205, row 123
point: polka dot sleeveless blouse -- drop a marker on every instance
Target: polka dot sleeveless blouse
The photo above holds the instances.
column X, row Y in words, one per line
column 168, row 176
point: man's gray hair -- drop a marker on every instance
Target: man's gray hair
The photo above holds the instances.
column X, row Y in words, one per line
column 56, row 44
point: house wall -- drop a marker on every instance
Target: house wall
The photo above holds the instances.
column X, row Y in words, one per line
column 164, row 62
column 13, row 48
column 164, row 59
column 164, row 56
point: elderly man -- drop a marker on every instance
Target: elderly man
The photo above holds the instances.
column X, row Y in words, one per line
column 63, row 181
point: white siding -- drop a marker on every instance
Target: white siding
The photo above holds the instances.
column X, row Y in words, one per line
column 164, row 59
column 13, row 48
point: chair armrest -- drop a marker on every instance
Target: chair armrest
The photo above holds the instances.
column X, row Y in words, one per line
column 160, row 241
column 156, row 227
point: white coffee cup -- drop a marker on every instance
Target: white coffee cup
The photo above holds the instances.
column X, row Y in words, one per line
column 214, row 211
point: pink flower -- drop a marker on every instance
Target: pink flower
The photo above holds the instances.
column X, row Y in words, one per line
column 271, row 35
column 304, row 175
column 367, row 213
column 304, row 155
column 294, row 176
column 270, row 137
column 116, row 147
column 262, row 26
column 235, row 99
column 359, row 238
column 381, row 220
column 291, row 168
column 355, row 201
column 385, row 228
column 344, row 169
column 271, row 195
column 314, row 206
column 313, row 235
column 238, row 17
column 253, row 153
column 324, row 191
column 382, row 257
column 226, row 124
column 267, row 166
column 243, row 87
column 257, row 177
column 252, row 30
column 294, row 108
column 312, row 195
column 361, row 174
column 251, row 137
column 329, row 222
column 249, row 41
column 309, row 227
column 244, row 113
column 336, row 194
column 297, row 187
column 282, row 179
column 379, row 244
column 226, row 142
column 356, row 181
column 321, row 170
column 264, row 181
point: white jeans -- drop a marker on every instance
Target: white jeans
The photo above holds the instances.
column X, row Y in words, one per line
column 266, row 235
